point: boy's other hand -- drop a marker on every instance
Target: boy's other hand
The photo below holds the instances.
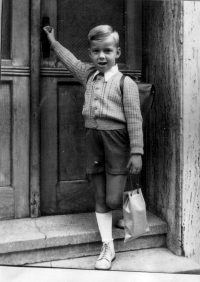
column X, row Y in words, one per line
column 135, row 164
column 50, row 33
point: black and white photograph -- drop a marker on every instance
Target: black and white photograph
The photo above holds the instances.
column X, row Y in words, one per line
column 99, row 141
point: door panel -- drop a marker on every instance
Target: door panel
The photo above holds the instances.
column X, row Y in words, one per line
column 14, row 110
column 75, row 196
column 49, row 145
column 14, row 141
column 6, row 191
column 5, row 133
column 71, row 131
column 6, row 29
column 63, row 159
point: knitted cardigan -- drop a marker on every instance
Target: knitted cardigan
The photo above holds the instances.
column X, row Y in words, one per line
column 112, row 111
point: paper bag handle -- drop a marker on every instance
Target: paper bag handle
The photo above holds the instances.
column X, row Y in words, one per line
column 137, row 182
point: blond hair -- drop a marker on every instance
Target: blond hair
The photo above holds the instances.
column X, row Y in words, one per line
column 101, row 32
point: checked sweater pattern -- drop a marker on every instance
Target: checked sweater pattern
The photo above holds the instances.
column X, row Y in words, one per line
column 105, row 108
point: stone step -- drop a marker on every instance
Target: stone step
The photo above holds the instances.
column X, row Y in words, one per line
column 156, row 260
column 67, row 236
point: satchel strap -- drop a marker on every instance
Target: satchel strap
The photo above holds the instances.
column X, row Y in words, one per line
column 90, row 74
column 122, row 85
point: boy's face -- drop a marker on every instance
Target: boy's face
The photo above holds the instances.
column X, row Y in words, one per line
column 104, row 53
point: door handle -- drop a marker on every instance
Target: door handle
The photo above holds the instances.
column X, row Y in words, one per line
column 44, row 39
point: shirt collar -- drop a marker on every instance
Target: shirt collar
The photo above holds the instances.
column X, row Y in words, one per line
column 108, row 74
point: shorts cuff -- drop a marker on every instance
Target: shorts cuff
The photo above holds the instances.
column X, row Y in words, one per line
column 117, row 171
column 96, row 170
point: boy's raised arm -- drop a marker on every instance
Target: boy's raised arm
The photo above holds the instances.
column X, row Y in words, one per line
column 78, row 69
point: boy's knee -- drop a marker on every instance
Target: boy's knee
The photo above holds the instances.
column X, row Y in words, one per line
column 113, row 203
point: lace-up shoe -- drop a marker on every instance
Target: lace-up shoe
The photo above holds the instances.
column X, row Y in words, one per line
column 106, row 257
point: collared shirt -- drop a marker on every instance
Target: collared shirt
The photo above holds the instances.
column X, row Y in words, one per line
column 108, row 74
column 104, row 108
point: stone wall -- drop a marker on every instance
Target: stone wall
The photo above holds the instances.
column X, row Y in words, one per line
column 171, row 60
column 162, row 65
column 191, row 130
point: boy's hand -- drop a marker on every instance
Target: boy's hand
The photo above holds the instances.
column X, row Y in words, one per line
column 135, row 164
column 50, row 33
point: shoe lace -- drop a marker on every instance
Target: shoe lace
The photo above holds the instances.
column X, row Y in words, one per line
column 105, row 251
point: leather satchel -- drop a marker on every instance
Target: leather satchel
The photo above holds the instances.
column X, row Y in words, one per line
column 146, row 94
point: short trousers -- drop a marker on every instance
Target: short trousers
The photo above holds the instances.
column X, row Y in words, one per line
column 107, row 150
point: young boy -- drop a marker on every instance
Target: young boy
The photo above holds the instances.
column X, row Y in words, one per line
column 114, row 138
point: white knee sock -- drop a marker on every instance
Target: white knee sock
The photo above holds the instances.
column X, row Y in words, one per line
column 104, row 221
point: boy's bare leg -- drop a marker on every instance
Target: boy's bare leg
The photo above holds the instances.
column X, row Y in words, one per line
column 109, row 195
column 99, row 182
column 115, row 185
column 103, row 212
column 104, row 220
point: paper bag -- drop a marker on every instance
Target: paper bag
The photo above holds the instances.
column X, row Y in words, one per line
column 134, row 211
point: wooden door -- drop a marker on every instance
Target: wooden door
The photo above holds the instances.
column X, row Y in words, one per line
column 14, row 110
column 64, row 187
